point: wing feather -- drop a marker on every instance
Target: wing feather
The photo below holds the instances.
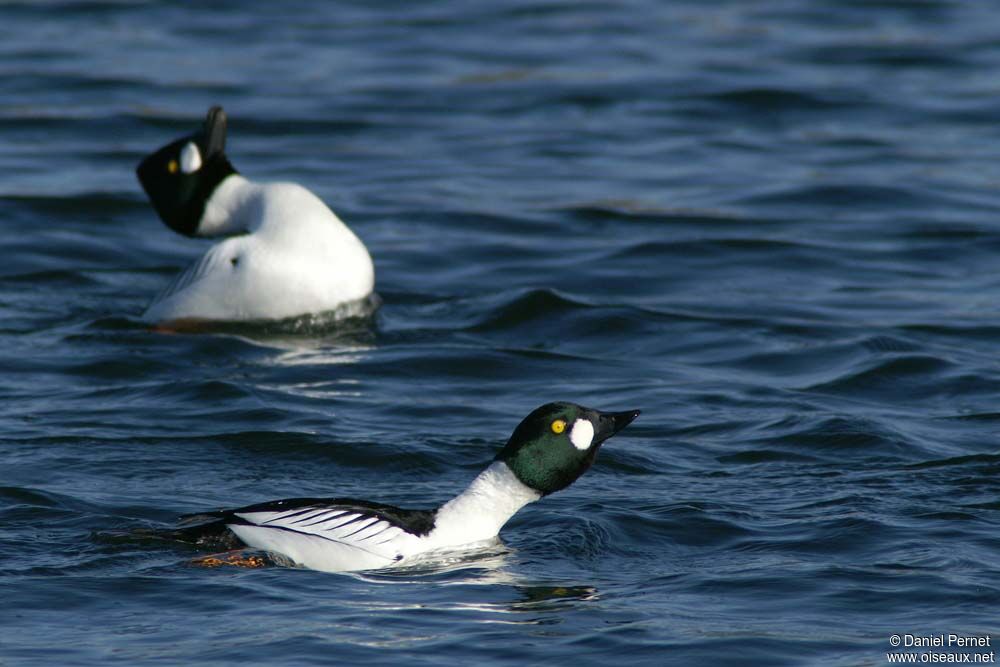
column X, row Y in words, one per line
column 351, row 524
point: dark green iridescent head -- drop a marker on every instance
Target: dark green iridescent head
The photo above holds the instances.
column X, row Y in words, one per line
column 557, row 442
column 180, row 177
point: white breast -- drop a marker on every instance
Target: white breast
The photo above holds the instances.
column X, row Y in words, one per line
column 481, row 510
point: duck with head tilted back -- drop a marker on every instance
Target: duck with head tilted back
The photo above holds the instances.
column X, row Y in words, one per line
column 288, row 254
column 548, row 451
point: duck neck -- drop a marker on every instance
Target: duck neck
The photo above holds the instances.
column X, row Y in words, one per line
column 479, row 512
column 231, row 208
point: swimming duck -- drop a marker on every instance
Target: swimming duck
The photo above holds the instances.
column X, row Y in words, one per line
column 548, row 451
column 288, row 254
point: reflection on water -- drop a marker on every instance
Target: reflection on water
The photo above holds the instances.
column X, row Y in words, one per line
column 772, row 225
column 349, row 325
column 490, row 567
column 549, row 597
column 479, row 565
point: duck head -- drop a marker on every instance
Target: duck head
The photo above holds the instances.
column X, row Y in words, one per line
column 180, row 177
column 558, row 442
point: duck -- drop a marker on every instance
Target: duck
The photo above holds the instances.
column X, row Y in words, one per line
column 549, row 450
column 285, row 253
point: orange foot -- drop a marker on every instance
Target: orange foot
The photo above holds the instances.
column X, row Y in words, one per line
column 236, row 559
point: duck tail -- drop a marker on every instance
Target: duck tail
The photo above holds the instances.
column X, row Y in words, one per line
column 207, row 530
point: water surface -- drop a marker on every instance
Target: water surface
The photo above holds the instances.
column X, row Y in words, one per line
column 773, row 226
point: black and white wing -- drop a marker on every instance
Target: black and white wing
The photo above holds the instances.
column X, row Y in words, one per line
column 331, row 534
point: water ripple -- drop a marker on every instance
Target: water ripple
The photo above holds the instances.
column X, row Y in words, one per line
column 771, row 226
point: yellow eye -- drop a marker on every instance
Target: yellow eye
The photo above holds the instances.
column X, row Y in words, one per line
column 558, row 426
column 172, row 166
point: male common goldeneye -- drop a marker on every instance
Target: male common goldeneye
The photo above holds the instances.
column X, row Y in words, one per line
column 547, row 452
column 289, row 254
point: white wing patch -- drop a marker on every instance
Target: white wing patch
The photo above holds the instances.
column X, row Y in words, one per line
column 372, row 534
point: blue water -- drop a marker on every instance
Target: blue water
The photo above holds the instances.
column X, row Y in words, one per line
column 773, row 226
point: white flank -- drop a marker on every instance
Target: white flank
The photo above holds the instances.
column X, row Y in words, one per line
column 332, row 539
column 314, row 551
column 582, row 434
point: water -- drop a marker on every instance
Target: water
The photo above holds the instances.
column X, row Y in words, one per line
column 773, row 226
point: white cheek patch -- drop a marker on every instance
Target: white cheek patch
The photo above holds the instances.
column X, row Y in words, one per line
column 582, row 434
column 190, row 158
